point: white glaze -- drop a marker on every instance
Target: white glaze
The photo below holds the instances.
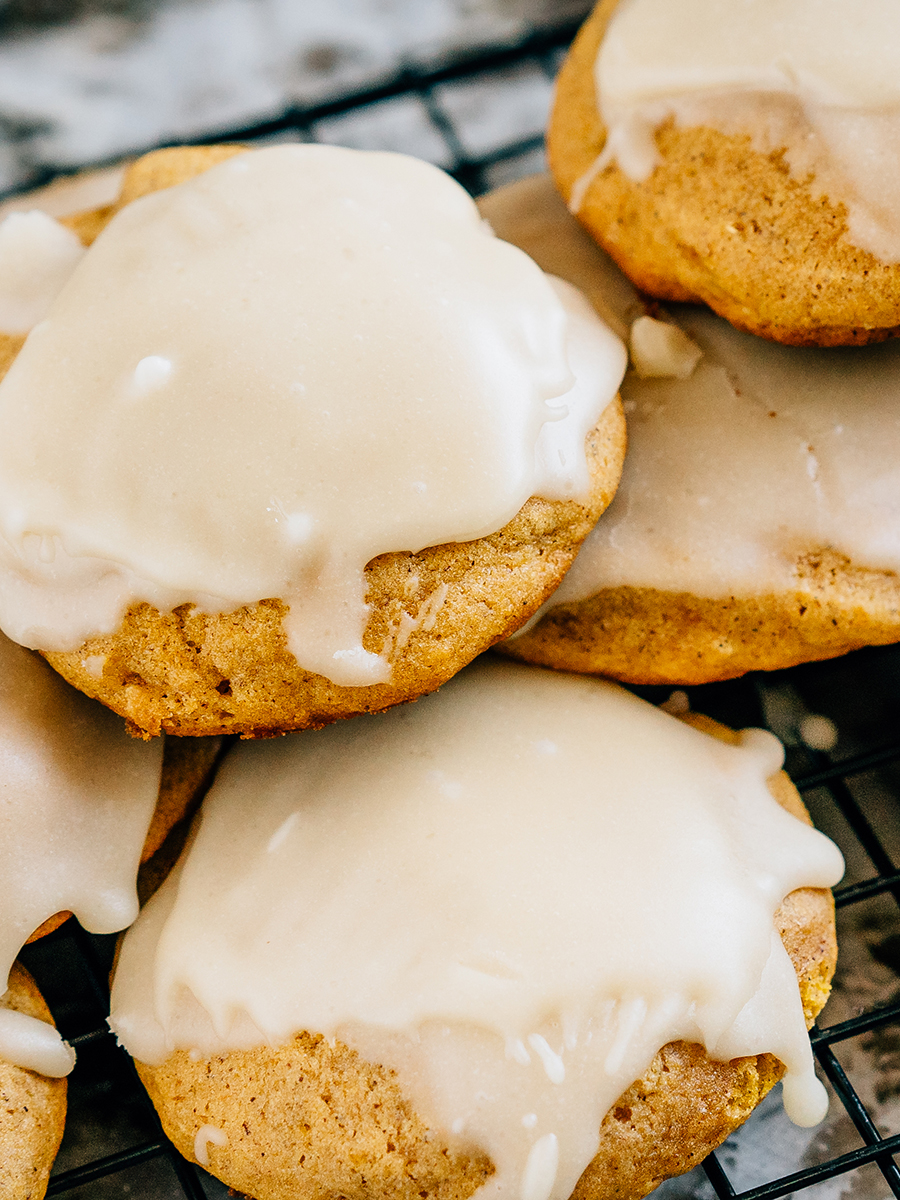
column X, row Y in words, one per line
column 819, row 77
column 513, row 892
column 37, row 256
column 764, row 455
column 206, row 1136
column 718, row 497
column 660, row 350
column 76, row 798
column 34, row 1045
column 257, row 381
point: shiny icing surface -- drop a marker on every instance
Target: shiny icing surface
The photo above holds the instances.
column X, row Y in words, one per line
column 819, row 77
column 33, row 1045
column 764, row 455
column 314, row 356
column 76, row 798
column 452, row 888
column 37, row 256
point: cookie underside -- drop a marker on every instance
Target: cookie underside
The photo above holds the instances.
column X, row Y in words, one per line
column 310, row 1119
column 722, row 223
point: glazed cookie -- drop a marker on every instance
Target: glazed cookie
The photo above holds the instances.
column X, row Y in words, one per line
column 345, row 490
column 332, row 995
column 754, row 527
column 34, row 1106
column 83, row 806
column 738, row 155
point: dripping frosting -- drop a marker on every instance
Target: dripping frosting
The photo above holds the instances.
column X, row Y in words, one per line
column 76, row 798
column 342, row 896
column 261, row 379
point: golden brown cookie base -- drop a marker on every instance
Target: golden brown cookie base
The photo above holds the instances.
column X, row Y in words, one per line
column 188, row 672
column 641, row 635
column 307, row 1121
column 722, row 223
column 32, row 1107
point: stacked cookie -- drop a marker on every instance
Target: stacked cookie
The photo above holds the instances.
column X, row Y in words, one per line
column 450, row 418
column 298, row 438
column 739, row 158
column 84, row 808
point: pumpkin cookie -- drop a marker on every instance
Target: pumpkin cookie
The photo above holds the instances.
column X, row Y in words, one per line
column 754, row 525
column 34, row 1106
column 84, row 803
column 353, row 1002
column 418, row 542
column 736, row 169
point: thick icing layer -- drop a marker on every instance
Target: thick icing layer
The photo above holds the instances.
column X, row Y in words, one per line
column 819, row 77
column 452, row 888
column 261, row 379
column 37, row 256
column 76, row 798
column 764, row 455
column 27, row 1042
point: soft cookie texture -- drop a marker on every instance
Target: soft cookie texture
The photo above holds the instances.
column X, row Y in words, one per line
column 721, row 222
column 653, row 636
column 310, row 1119
column 33, row 1110
column 188, row 672
column 642, row 635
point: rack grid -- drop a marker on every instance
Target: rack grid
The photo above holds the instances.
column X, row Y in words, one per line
column 114, row 1146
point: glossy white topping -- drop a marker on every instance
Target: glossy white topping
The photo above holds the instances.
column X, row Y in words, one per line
column 76, row 798
column 763, row 455
column 514, row 892
column 34, row 1045
column 37, row 256
column 259, row 380
column 820, row 77
column 660, row 350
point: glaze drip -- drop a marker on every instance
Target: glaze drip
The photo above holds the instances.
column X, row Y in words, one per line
column 517, row 988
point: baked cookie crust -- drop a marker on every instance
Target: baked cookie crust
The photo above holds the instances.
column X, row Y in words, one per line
column 641, row 635
column 33, row 1107
column 722, row 223
column 192, row 673
column 310, row 1120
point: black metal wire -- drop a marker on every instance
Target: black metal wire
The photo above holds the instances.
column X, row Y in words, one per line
column 535, row 45
column 72, row 962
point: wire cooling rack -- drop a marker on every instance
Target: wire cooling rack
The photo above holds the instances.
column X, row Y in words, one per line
column 114, row 1147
